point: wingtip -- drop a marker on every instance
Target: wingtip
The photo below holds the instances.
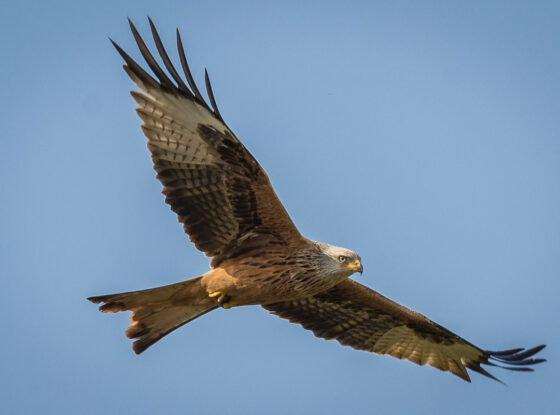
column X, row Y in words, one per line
column 187, row 71
column 94, row 300
column 211, row 95
column 131, row 24
column 519, row 355
column 539, row 347
column 134, row 30
column 152, row 25
column 516, row 360
column 123, row 54
column 140, row 345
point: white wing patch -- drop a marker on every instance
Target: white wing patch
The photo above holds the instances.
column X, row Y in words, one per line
column 403, row 343
column 171, row 124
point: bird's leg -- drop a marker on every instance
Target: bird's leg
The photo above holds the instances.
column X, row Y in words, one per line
column 222, row 299
column 221, row 286
column 220, row 294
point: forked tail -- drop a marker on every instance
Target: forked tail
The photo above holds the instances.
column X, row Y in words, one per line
column 156, row 312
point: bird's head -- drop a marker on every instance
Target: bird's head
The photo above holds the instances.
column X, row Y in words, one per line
column 339, row 260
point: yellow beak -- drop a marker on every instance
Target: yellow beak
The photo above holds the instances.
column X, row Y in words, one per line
column 355, row 266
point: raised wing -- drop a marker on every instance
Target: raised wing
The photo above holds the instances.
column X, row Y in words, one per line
column 364, row 319
column 219, row 191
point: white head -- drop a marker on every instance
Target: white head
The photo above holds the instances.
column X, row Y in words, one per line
column 337, row 260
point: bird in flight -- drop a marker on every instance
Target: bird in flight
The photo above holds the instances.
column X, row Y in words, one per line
column 230, row 211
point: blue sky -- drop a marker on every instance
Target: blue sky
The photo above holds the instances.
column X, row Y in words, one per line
column 423, row 135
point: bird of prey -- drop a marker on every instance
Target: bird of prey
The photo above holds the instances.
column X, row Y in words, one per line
column 227, row 206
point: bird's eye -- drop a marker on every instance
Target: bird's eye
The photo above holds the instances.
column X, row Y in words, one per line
column 342, row 258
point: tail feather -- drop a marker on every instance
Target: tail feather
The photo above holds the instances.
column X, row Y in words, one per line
column 156, row 312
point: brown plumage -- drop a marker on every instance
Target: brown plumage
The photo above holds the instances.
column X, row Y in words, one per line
column 230, row 211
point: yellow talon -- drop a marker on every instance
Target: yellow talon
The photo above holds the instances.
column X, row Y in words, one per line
column 220, row 294
column 220, row 297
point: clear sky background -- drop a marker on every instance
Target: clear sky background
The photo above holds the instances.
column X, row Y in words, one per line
column 423, row 135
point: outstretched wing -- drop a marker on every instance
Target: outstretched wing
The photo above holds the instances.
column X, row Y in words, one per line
column 364, row 319
column 217, row 188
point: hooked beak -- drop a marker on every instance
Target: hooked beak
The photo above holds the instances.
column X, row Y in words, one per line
column 356, row 266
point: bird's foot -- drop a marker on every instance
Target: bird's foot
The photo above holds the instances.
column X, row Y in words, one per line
column 222, row 299
column 219, row 296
